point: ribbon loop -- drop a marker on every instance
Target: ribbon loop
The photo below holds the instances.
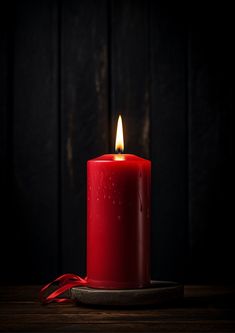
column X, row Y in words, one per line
column 64, row 282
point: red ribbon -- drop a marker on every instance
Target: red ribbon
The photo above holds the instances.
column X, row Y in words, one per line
column 65, row 282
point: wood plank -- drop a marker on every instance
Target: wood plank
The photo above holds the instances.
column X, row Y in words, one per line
column 183, row 326
column 79, row 314
column 68, row 318
column 130, row 74
column 34, row 218
column 168, row 140
column 84, row 117
column 77, row 318
column 210, row 145
column 6, row 59
column 5, row 36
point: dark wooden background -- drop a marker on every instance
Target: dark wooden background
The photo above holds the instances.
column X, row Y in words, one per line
column 68, row 68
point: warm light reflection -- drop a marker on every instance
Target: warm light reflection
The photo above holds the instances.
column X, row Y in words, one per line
column 119, row 157
column 119, row 144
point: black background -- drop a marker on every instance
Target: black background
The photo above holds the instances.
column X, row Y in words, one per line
column 68, row 68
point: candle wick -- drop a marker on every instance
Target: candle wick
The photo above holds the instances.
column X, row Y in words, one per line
column 119, row 151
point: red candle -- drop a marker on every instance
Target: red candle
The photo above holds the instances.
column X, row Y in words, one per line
column 118, row 220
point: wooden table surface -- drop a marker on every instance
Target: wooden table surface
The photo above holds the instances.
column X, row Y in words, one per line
column 204, row 309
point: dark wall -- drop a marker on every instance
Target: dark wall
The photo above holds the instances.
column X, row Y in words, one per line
column 68, row 68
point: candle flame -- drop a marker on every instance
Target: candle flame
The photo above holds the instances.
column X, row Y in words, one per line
column 119, row 144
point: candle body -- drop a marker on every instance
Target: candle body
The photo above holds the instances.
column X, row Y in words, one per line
column 118, row 222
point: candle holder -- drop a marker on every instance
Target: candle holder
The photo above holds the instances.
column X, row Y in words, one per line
column 158, row 293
